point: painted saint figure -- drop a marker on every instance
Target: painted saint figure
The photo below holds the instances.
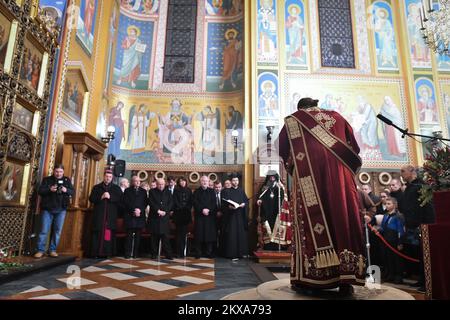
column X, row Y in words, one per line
column 295, row 29
column 232, row 58
column 395, row 143
column 267, row 42
column 132, row 57
column 385, row 31
column 89, row 12
column 268, row 100
column 139, row 123
column 426, row 105
column 115, row 120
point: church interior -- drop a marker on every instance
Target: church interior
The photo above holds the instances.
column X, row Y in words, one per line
column 198, row 91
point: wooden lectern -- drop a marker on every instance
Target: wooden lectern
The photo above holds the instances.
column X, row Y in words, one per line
column 81, row 155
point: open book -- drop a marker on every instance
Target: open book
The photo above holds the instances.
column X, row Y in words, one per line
column 235, row 204
column 140, row 47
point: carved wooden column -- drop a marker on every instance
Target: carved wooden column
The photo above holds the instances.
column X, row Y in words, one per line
column 81, row 156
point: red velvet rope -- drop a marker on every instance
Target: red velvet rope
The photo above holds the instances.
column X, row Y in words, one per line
column 389, row 246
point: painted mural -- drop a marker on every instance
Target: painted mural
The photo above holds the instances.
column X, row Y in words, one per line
column 145, row 7
column 86, row 24
column 427, row 111
column 224, row 72
column 133, row 53
column 174, row 130
column 267, row 43
column 268, row 106
column 54, row 9
column 420, row 53
column 113, row 25
column 224, row 8
column 359, row 101
column 445, row 89
column 296, row 35
column 385, row 45
column 5, row 28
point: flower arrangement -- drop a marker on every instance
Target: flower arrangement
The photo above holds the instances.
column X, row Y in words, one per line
column 436, row 174
column 7, row 261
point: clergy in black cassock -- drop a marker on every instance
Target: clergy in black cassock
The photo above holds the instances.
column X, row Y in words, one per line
column 204, row 201
column 161, row 203
column 182, row 214
column 106, row 197
column 235, row 221
column 135, row 200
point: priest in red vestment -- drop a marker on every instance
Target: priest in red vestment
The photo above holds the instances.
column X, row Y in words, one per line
column 321, row 153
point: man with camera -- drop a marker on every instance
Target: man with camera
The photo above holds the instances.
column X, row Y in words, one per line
column 55, row 192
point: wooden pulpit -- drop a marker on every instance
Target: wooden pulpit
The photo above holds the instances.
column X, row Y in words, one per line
column 81, row 156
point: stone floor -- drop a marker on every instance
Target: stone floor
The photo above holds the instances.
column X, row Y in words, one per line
column 147, row 279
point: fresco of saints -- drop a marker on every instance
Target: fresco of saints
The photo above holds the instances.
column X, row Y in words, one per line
column 447, row 110
column 232, row 58
column 133, row 50
column 420, row 51
column 267, row 42
column 427, row 107
column 295, row 28
column 293, row 103
column 175, row 133
column 210, row 131
column 329, row 104
column 385, row 31
column 89, row 12
column 369, row 131
column 268, row 100
column 396, row 145
column 116, row 120
column 10, row 188
column 137, row 128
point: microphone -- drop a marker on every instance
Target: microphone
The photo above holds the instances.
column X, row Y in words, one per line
column 384, row 119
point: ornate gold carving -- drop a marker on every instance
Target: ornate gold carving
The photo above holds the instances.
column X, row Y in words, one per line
column 323, row 136
column 326, row 120
column 308, row 191
column 294, row 128
column 20, row 147
column 306, row 264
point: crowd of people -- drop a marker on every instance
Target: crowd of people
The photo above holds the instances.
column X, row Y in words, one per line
column 396, row 213
column 219, row 214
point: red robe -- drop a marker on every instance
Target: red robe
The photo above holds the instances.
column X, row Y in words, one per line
column 328, row 246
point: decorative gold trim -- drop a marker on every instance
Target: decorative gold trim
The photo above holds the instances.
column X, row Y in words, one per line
column 145, row 175
column 294, row 127
column 323, row 136
column 381, row 178
column 214, row 175
column 308, row 190
column 427, row 261
column 191, row 177
column 160, row 175
column 367, row 177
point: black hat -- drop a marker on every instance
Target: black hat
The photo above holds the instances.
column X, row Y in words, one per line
column 306, row 103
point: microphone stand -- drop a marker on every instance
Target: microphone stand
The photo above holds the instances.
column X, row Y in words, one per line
column 405, row 132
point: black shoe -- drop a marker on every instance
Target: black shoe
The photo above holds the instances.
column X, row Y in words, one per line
column 417, row 284
column 398, row 281
column 421, row 289
column 153, row 256
column 169, row 258
column 346, row 290
column 128, row 257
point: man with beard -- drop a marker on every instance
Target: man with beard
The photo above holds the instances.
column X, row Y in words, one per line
column 274, row 213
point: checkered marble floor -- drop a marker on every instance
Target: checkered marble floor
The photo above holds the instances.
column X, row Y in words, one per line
column 125, row 279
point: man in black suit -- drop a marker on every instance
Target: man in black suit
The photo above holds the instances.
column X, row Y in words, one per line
column 135, row 201
column 161, row 204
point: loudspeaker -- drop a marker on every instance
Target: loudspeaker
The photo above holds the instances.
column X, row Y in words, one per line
column 119, row 168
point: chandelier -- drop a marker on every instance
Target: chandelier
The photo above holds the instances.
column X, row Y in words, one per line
column 435, row 26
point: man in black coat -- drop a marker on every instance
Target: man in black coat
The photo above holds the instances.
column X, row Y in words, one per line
column 414, row 215
column 135, row 201
column 55, row 192
column 106, row 197
column 182, row 214
column 161, row 203
column 204, row 201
